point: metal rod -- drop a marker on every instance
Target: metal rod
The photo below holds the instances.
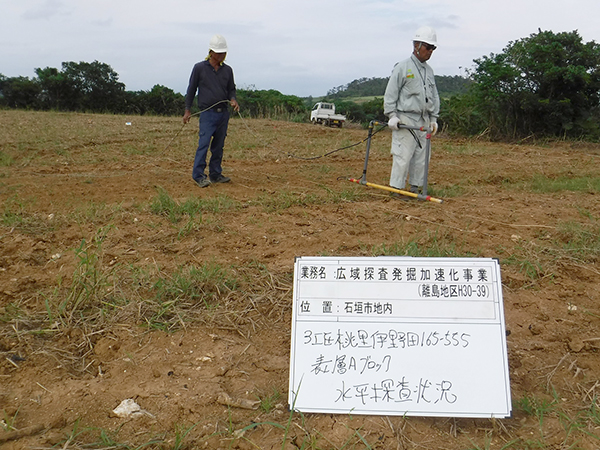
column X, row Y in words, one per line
column 427, row 155
column 423, row 197
column 363, row 179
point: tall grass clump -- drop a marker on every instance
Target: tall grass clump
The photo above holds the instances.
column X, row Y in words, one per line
column 90, row 285
column 189, row 289
column 165, row 205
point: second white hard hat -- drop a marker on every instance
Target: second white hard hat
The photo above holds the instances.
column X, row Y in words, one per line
column 427, row 35
column 218, row 44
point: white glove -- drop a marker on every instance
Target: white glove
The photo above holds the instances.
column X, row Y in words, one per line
column 394, row 123
column 434, row 128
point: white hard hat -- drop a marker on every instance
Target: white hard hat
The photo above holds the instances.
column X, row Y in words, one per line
column 218, row 44
column 427, row 35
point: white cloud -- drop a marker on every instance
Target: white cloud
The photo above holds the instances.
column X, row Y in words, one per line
column 302, row 48
column 45, row 10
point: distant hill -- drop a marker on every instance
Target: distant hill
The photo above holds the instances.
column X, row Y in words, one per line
column 375, row 87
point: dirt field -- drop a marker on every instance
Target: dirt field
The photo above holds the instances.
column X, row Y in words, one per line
column 121, row 279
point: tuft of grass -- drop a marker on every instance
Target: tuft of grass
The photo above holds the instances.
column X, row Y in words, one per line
column 219, row 204
column 579, row 240
column 268, row 402
column 164, row 205
column 531, row 269
column 186, row 290
column 283, row 200
column 15, row 215
column 544, row 185
column 452, row 191
column 180, row 435
column 8, row 422
column 540, row 408
column 10, row 312
column 6, row 160
column 94, row 212
column 90, row 281
column 435, row 245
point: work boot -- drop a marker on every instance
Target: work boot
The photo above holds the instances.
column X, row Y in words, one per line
column 414, row 189
column 220, row 179
column 398, row 196
column 203, row 182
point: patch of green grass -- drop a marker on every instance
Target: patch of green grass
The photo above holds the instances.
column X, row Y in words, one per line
column 463, row 148
column 269, row 401
column 10, row 312
column 442, row 192
column 532, row 269
column 540, row 408
column 6, row 160
column 164, row 205
column 579, row 240
column 543, row 185
column 435, row 244
column 351, row 194
column 585, row 422
column 186, row 290
column 190, row 227
column 94, row 211
column 283, row 200
column 15, row 215
column 130, row 149
column 586, row 213
column 219, row 204
column 90, row 282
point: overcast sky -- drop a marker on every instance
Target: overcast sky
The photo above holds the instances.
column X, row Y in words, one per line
column 300, row 47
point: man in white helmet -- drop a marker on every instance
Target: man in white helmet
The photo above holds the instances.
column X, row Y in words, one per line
column 213, row 80
column 411, row 98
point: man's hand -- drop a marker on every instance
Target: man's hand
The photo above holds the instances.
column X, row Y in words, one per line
column 235, row 105
column 434, row 128
column 394, row 123
column 186, row 116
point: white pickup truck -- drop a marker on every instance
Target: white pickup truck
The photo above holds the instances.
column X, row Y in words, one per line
column 325, row 113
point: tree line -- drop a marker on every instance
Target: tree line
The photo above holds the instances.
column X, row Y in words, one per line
column 369, row 87
column 544, row 85
column 95, row 87
column 86, row 87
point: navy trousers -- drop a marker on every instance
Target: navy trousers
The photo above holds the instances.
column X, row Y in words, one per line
column 212, row 133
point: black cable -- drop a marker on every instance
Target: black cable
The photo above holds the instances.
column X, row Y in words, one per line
column 183, row 126
column 289, row 154
column 338, row 149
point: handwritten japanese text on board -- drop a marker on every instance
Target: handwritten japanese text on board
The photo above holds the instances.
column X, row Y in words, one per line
column 399, row 336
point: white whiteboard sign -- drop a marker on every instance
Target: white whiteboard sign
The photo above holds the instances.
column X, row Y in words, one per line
column 399, row 336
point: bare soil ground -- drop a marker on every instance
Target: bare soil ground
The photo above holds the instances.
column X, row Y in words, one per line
column 98, row 300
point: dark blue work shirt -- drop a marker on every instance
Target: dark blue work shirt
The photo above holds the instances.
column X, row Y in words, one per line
column 211, row 85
